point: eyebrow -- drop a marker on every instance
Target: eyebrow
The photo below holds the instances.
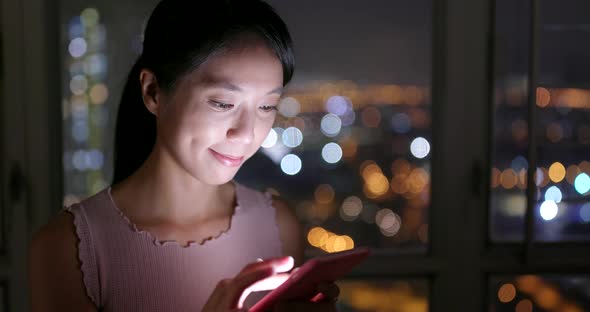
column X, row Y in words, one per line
column 234, row 88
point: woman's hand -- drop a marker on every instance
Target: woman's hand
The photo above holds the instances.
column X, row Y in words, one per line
column 227, row 293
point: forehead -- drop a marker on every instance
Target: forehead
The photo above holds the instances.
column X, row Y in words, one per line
column 239, row 66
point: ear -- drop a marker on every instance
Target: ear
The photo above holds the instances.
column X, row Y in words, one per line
column 150, row 91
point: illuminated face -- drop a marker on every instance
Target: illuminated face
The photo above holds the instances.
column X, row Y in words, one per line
column 219, row 115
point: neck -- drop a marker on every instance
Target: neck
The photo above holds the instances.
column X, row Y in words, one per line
column 161, row 191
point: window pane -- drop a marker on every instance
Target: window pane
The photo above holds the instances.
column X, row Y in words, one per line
column 527, row 293
column 351, row 149
column 383, row 295
column 510, row 138
column 562, row 132
column 563, row 121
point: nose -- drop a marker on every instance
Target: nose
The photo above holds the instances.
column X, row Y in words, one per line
column 242, row 131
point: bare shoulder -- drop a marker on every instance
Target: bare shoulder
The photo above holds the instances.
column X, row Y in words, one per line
column 53, row 260
column 290, row 230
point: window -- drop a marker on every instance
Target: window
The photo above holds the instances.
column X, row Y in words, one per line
column 394, row 135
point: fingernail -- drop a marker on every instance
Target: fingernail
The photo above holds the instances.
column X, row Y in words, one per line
column 284, row 264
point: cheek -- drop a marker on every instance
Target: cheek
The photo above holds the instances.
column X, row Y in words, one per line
column 194, row 128
column 262, row 130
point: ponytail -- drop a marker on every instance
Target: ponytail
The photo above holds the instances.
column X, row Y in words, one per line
column 135, row 130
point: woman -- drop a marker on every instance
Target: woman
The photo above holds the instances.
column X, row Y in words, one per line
column 174, row 228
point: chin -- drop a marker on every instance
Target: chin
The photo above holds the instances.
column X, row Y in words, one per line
column 217, row 176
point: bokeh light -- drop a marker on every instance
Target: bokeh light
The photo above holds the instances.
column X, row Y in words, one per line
column 328, row 241
column 553, row 193
column 401, row 166
column 95, row 64
column 78, row 85
column 331, row 125
column 99, row 93
column 77, row 47
column 547, row 298
column 369, row 167
column 317, row 236
column 420, row 147
column 291, row 164
column 349, row 242
column 338, row 105
column 89, row 17
column 88, row 160
column 292, row 137
column 388, row 221
column 548, row 210
column 371, row 117
column 376, row 184
column 324, row 194
column 585, row 213
column 524, row 305
column 557, row 172
column 555, row 132
column 528, row 283
column 543, row 97
column 80, row 130
column 349, row 118
column 519, row 163
column 271, row 139
column 508, row 179
column 401, row 123
column 289, row 107
column 351, row 208
column 332, row 153
column 582, row 183
column 506, row 293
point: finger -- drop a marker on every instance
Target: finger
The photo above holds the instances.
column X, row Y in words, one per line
column 285, row 265
column 268, row 283
column 282, row 264
column 243, row 281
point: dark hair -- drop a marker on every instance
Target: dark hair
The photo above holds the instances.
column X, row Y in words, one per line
column 179, row 36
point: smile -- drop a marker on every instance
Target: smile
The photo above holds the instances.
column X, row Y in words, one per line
column 226, row 160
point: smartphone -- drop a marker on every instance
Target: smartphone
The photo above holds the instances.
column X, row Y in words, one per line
column 302, row 284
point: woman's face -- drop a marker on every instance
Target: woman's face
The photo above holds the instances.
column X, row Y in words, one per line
column 219, row 115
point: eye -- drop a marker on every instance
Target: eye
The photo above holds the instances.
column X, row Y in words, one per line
column 268, row 108
column 220, row 105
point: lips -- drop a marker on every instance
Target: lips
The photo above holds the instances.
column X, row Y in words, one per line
column 227, row 160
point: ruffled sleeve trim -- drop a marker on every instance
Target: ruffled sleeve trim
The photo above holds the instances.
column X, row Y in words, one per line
column 86, row 253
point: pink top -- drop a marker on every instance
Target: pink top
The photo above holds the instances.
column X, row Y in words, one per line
column 126, row 269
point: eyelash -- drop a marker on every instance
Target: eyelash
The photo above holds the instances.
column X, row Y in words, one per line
column 222, row 106
column 225, row 106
